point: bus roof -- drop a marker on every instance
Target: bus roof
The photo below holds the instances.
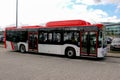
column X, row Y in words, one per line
column 59, row 24
column 24, row 27
column 10, row 28
column 30, row 27
column 67, row 23
column 100, row 26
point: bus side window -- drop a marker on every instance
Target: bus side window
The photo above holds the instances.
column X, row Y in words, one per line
column 23, row 36
column 68, row 37
column 42, row 37
column 56, row 37
column 76, row 36
column 8, row 36
column 65, row 36
column 45, row 37
column 71, row 37
column 100, row 40
column 49, row 37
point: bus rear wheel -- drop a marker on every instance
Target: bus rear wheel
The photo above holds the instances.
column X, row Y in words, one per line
column 70, row 53
column 22, row 49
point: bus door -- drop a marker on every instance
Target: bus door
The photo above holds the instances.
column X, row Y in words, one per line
column 33, row 41
column 88, row 43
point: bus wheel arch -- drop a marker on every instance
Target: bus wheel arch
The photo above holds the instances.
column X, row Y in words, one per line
column 70, row 52
column 22, row 48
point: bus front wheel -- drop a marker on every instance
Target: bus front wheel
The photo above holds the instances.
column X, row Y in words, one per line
column 70, row 53
column 22, row 49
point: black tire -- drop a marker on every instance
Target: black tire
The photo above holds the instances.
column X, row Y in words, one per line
column 70, row 53
column 22, row 49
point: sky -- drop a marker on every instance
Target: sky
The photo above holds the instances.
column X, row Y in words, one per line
column 38, row 12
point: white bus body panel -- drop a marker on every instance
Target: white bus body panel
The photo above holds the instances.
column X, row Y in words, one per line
column 77, row 49
column 15, row 46
column 24, row 43
column 46, row 48
column 102, row 52
column 57, row 49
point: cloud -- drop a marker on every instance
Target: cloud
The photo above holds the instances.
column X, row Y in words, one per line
column 117, row 2
column 110, row 1
column 35, row 12
column 86, row 2
column 7, row 12
column 117, row 9
column 84, row 10
column 97, row 1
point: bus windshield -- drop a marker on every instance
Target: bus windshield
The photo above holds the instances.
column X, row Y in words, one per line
column 101, row 39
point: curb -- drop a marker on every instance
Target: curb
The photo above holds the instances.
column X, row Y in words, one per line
column 117, row 55
column 2, row 46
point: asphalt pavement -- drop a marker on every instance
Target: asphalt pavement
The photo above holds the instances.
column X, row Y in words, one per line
column 30, row 66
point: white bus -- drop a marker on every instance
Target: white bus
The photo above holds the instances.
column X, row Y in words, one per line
column 69, row 37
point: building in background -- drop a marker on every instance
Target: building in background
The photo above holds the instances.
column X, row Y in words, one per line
column 112, row 29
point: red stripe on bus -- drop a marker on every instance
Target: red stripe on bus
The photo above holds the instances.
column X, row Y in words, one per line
column 12, row 45
column 4, row 39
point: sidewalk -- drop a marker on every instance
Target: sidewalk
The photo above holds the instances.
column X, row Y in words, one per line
column 113, row 55
column 2, row 45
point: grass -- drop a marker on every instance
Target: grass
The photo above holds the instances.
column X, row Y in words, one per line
column 115, row 51
column 2, row 43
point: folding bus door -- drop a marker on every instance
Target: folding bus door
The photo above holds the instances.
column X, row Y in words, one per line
column 33, row 41
column 88, row 43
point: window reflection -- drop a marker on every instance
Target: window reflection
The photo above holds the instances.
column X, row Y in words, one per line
column 88, row 42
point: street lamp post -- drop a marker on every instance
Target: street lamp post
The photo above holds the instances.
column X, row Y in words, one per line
column 16, row 13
